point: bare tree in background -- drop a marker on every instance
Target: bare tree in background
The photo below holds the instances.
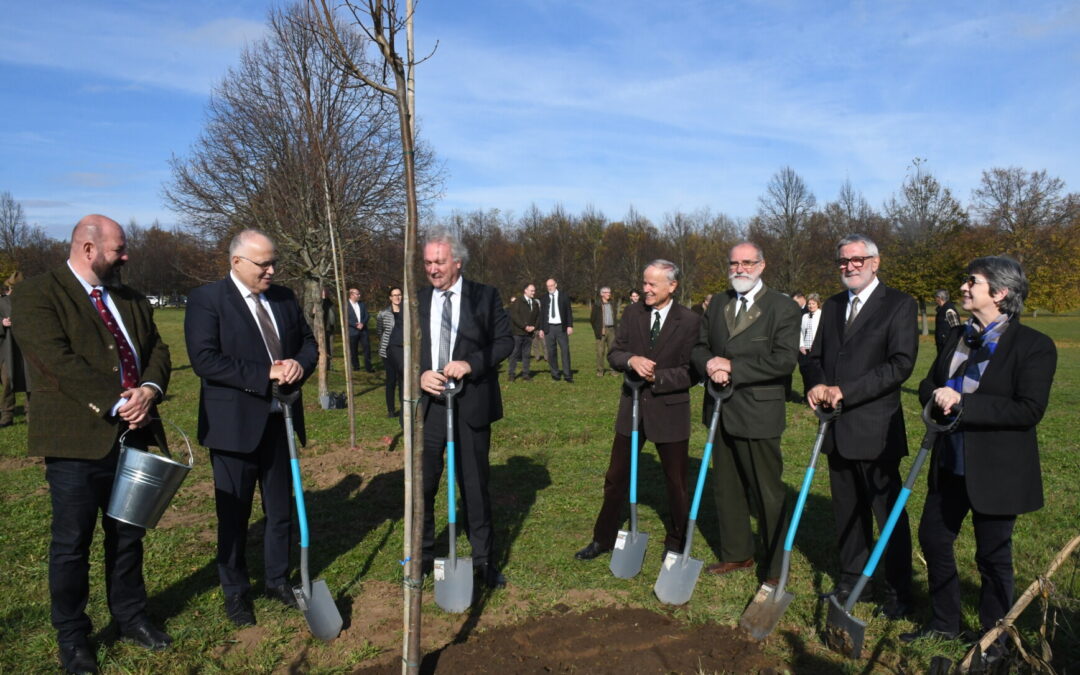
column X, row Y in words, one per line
column 781, row 226
column 14, row 232
column 291, row 146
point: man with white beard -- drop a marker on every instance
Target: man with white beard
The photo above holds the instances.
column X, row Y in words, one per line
column 750, row 341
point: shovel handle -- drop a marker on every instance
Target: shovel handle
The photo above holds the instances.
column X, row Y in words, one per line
column 719, row 394
column 634, row 383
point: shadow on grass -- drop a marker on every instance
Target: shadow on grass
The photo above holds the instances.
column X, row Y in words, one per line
column 514, row 486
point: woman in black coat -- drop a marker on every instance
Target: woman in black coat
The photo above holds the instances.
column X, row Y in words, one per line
column 999, row 373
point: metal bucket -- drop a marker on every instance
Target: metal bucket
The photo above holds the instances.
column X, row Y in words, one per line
column 145, row 484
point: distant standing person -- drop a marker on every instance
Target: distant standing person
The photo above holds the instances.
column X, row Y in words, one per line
column 811, row 319
column 864, row 351
column 556, row 327
column 465, row 335
column 91, row 343
column 749, row 340
column 357, row 316
column 524, row 318
column 385, row 322
column 635, row 296
column 329, row 319
column 946, row 318
column 244, row 334
column 653, row 343
column 999, row 372
column 12, row 370
column 603, row 320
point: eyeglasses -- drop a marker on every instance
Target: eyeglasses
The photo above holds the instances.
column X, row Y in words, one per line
column 262, row 265
column 854, row 262
column 971, row 280
column 745, row 264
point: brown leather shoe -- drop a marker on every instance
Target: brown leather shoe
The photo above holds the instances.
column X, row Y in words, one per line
column 773, row 581
column 725, row 567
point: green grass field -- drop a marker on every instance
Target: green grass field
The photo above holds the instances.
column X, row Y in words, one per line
column 548, row 459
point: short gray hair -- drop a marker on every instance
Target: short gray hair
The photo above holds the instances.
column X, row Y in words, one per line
column 605, row 288
column 815, row 297
column 1003, row 272
column 440, row 235
column 855, row 238
column 747, row 242
column 242, row 237
column 669, row 267
column 941, row 294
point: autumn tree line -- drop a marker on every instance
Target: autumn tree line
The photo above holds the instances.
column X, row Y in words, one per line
column 293, row 148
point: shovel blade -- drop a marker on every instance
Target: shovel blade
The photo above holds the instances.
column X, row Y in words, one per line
column 764, row 611
column 844, row 633
column 322, row 614
column 628, row 554
column 453, row 584
column 677, row 579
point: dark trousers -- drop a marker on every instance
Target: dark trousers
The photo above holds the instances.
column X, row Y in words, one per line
column 946, row 507
column 603, row 346
column 79, row 489
column 617, row 485
column 862, row 491
column 520, row 352
column 472, row 447
column 358, row 341
column 556, row 339
column 7, row 399
column 395, row 379
column 235, row 477
column 747, row 481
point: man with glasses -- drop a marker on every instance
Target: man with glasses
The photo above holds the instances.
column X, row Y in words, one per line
column 749, row 339
column 244, row 335
column 865, row 349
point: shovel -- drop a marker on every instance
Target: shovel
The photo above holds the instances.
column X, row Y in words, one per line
column 453, row 575
column 314, row 599
column 764, row 612
column 843, row 632
column 629, row 551
column 679, row 573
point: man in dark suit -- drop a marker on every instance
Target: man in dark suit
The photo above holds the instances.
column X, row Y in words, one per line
column 99, row 367
column 653, row 341
column 357, row 316
column 556, row 327
column 524, row 317
column 243, row 336
column 12, row 369
column 946, row 318
column 864, row 350
column 465, row 335
column 603, row 318
column 750, row 339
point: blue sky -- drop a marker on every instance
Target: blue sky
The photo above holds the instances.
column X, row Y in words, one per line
column 610, row 103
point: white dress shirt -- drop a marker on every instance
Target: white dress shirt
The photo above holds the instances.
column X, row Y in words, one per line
column 435, row 320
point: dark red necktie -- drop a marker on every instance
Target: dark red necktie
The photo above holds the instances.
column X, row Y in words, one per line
column 129, row 374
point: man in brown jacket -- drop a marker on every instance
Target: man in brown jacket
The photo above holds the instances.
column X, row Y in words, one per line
column 98, row 367
column 653, row 342
column 603, row 319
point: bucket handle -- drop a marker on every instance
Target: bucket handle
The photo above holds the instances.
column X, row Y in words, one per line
column 165, row 451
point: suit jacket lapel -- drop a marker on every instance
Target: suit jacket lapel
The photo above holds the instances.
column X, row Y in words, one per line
column 729, row 311
column 464, row 317
column 671, row 324
column 424, row 303
column 752, row 313
column 240, row 306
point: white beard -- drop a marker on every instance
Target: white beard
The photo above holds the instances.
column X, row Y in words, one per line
column 742, row 284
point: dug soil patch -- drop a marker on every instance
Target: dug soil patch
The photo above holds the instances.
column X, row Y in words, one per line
column 603, row 640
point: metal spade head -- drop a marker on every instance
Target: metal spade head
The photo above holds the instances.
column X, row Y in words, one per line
column 628, row 554
column 677, row 579
column 764, row 611
column 844, row 633
column 322, row 614
column 453, row 584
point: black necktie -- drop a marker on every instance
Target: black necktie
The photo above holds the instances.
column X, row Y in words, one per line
column 655, row 330
column 552, row 305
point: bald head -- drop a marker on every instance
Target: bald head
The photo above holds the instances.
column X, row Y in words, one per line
column 98, row 250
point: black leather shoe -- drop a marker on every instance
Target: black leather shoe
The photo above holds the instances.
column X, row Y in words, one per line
column 591, row 551
column 556, row 377
column 77, row 658
column 239, row 610
column 927, row 633
column 283, row 594
column 840, row 592
column 488, row 576
column 145, row 634
column 569, row 380
column 426, row 568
